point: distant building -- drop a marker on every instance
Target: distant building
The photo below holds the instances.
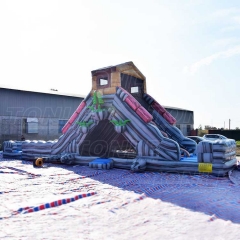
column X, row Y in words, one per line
column 42, row 115
column 184, row 117
column 36, row 115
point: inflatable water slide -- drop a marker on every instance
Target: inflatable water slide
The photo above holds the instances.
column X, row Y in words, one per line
column 119, row 125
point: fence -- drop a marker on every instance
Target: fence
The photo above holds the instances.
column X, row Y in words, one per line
column 233, row 134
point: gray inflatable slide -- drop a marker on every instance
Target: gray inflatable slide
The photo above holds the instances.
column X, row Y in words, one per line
column 124, row 130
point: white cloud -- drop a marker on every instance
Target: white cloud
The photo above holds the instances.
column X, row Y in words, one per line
column 230, row 18
column 226, row 17
column 230, row 28
column 237, row 19
column 226, row 42
column 208, row 60
column 226, row 12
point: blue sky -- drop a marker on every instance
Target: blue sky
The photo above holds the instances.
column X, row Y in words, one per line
column 189, row 51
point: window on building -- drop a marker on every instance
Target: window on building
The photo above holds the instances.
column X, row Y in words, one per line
column 31, row 125
column 134, row 90
column 103, row 81
column 188, row 129
column 61, row 124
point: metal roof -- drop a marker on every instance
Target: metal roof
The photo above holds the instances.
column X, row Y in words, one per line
column 50, row 91
column 176, row 108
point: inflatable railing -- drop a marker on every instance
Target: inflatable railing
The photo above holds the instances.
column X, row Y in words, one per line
column 12, row 149
column 219, row 151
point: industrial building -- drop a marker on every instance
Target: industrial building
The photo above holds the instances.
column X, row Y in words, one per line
column 42, row 115
column 184, row 117
column 36, row 115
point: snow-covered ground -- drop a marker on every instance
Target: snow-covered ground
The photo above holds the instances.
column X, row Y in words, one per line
column 125, row 205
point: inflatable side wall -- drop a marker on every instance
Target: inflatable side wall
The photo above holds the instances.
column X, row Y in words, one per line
column 218, row 151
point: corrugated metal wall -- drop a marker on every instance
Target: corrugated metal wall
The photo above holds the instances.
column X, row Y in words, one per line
column 30, row 104
column 185, row 119
column 182, row 116
column 16, row 106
